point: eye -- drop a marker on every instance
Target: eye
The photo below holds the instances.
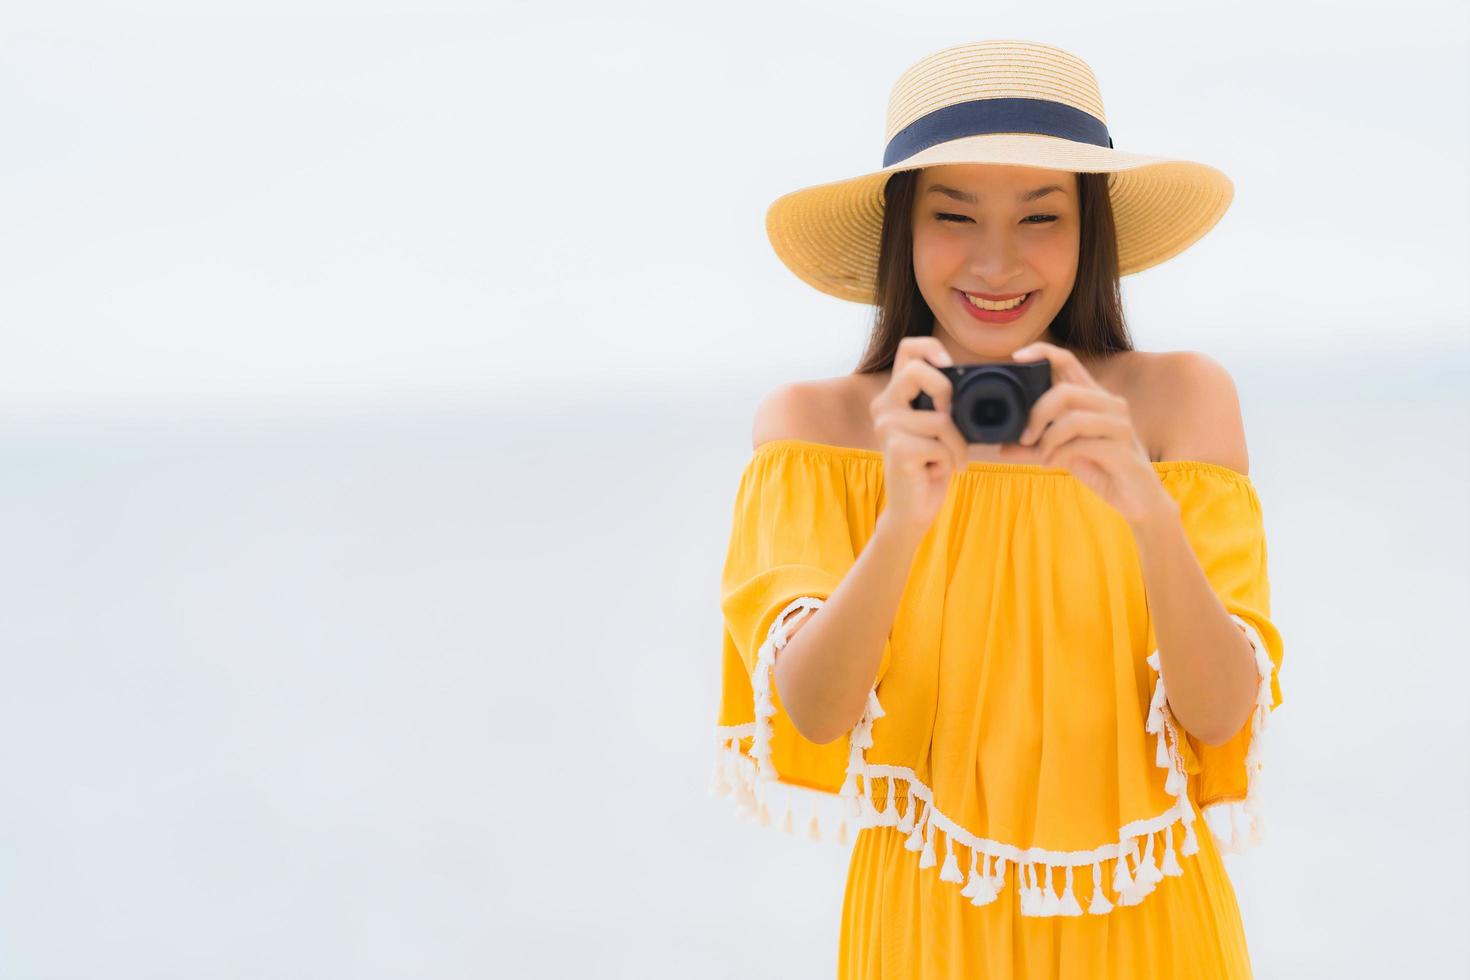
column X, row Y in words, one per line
column 1035, row 219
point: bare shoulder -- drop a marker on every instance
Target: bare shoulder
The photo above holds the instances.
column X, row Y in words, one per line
column 1204, row 418
column 826, row 410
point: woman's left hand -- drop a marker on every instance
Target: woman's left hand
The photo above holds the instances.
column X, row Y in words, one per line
column 1088, row 430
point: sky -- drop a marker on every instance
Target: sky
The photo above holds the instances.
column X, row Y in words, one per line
column 294, row 210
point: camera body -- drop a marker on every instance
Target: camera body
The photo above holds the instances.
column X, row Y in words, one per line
column 991, row 402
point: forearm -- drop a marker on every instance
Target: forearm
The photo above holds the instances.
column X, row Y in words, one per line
column 1205, row 657
column 827, row 668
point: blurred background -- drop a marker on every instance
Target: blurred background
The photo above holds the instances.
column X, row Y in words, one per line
column 375, row 379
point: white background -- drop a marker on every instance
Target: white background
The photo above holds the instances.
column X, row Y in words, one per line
column 374, row 382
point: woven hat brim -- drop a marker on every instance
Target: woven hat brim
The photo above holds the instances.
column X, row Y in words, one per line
column 828, row 234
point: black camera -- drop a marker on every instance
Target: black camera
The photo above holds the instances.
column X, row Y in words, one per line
column 991, row 402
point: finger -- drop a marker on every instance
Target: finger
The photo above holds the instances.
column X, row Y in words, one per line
column 1045, row 410
column 1085, row 449
column 921, row 348
column 914, row 453
column 1010, row 452
column 934, row 425
column 1065, row 397
column 915, row 376
column 932, row 381
column 1065, row 365
column 1080, row 425
column 920, row 422
column 952, row 437
column 910, row 349
column 1077, row 424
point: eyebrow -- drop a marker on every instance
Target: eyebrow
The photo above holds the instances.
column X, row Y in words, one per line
column 969, row 198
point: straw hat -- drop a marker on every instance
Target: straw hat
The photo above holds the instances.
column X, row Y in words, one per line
column 1007, row 102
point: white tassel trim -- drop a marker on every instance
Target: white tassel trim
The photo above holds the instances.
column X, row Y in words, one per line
column 761, row 681
column 753, row 782
column 1100, row 904
column 1237, row 825
column 759, row 794
column 773, row 802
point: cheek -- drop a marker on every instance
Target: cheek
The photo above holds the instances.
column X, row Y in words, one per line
column 1055, row 258
column 936, row 256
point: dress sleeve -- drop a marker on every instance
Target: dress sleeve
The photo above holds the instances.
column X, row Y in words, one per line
column 1222, row 517
column 794, row 535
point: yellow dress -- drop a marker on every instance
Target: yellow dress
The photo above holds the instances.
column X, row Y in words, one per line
column 1019, row 799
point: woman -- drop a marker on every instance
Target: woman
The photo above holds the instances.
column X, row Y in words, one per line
column 962, row 645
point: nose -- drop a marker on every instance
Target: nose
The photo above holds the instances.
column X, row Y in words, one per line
column 995, row 260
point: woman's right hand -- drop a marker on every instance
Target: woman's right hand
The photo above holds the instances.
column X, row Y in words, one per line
column 922, row 448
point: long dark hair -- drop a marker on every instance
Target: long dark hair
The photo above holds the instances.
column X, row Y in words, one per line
column 1090, row 322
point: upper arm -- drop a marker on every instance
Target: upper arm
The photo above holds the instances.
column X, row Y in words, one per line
column 1204, row 417
column 792, row 411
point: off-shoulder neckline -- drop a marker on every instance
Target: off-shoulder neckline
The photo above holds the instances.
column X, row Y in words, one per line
column 992, row 466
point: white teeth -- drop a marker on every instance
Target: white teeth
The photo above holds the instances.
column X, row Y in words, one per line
column 1008, row 304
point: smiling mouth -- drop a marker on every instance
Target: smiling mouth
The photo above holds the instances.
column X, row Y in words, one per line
column 996, row 306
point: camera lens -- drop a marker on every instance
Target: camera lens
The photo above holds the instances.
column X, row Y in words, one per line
column 986, row 406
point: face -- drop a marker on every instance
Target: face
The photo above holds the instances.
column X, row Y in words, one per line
column 983, row 230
